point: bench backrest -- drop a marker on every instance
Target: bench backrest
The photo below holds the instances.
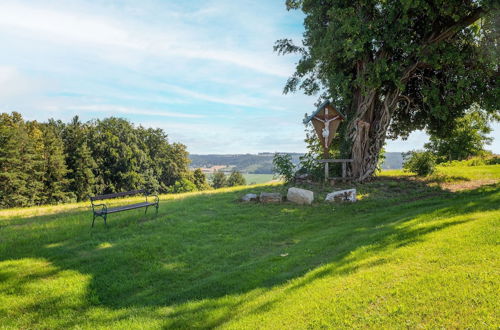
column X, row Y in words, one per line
column 115, row 195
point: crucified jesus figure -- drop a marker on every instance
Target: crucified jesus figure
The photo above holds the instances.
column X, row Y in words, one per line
column 326, row 129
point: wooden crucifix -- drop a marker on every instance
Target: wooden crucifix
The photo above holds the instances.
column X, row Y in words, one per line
column 325, row 120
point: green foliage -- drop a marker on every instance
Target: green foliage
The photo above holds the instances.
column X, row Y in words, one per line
column 308, row 162
column 420, row 162
column 206, row 261
column 183, row 185
column 433, row 58
column 219, row 180
column 284, row 167
column 381, row 159
column 79, row 159
column 55, row 182
column 200, row 180
column 236, row 179
column 45, row 163
column 474, row 161
column 21, row 160
column 466, row 139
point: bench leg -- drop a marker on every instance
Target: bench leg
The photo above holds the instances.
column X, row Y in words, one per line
column 146, row 210
column 105, row 216
column 93, row 219
column 156, row 208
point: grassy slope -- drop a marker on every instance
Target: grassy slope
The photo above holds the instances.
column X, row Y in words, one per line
column 406, row 255
column 253, row 178
column 258, row 178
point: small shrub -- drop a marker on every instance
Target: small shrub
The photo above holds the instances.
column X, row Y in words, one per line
column 420, row 162
column 236, row 179
column 495, row 160
column 183, row 185
column 219, row 180
column 310, row 166
column 200, row 180
column 284, row 167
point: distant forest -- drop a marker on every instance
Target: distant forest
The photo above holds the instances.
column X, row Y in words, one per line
column 53, row 162
column 263, row 163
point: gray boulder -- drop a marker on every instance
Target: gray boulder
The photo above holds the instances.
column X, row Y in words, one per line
column 300, row 196
column 348, row 195
column 270, row 197
column 250, row 198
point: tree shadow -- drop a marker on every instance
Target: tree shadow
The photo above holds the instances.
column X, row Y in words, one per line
column 205, row 247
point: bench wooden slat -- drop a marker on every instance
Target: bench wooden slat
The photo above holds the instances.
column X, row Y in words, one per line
column 129, row 207
column 115, row 195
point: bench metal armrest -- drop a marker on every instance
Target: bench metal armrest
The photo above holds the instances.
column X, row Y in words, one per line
column 157, row 199
column 104, row 208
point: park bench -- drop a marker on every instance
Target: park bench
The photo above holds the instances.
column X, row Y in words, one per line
column 101, row 210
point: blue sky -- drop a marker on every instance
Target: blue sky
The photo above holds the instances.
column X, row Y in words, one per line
column 204, row 71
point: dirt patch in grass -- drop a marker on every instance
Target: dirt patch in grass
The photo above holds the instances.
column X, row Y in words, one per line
column 467, row 185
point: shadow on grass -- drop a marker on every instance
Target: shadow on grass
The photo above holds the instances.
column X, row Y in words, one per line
column 210, row 246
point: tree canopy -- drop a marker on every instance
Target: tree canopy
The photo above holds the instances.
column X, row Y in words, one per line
column 468, row 138
column 44, row 163
column 396, row 66
column 236, row 179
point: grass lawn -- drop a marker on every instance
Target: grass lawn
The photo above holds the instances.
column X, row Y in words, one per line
column 409, row 254
column 252, row 179
column 258, row 178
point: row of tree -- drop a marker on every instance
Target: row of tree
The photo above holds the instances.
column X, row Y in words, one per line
column 53, row 162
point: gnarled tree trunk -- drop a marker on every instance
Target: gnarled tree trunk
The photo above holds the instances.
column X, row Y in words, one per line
column 367, row 128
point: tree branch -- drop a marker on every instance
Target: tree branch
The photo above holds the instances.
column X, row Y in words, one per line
column 454, row 28
column 445, row 34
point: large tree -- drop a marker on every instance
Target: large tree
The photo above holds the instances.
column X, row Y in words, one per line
column 79, row 159
column 396, row 66
column 468, row 138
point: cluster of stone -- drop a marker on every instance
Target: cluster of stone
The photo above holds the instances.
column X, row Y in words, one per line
column 300, row 196
column 263, row 197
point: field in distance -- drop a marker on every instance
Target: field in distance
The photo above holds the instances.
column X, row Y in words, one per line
column 252, row 178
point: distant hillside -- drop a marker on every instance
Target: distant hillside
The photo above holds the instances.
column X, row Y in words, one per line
column 393, row 161
column 262, row 163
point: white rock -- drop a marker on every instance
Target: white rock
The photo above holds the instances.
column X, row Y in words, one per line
column 249, row 198
column 300, row 196
column 270, row 197
column 348, row 195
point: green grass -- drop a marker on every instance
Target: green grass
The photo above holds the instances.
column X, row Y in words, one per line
column 258, row 178
column 454, row 173
column 406, row 255
column 252, row 179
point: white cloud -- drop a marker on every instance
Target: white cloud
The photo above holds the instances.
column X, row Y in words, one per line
column 172, row 40
column 13, row 83
column 110, row 108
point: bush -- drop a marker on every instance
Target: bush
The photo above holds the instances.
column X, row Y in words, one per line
column 236, row 179
column 200, row 180
column 485, row 159
column 284, row 167
column 183, row 185
column 219, row 180
column 420, row 162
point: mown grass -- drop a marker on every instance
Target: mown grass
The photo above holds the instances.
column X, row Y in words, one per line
column 251, row 179
column 454, row 173
column 406, row 255
column 258, row 178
